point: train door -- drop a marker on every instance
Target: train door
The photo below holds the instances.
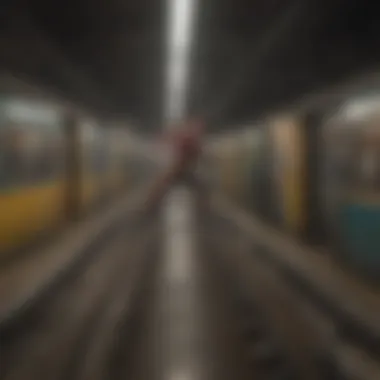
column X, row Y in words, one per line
column 264, row 185
column 337, row 166
column 288, row 174
column 360, row 211
column 314, row 231
column 254, row 169
column 276, row 169
column 99, row 163
column 32, row 190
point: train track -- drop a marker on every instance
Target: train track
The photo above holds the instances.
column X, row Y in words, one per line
column 306, row 332
column 105, row 321
column 268, row 351
column 76, row 332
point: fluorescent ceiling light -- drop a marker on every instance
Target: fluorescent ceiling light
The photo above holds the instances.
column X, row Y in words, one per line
column 361, row 108
column 180, row 28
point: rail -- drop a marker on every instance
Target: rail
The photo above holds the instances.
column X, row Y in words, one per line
column 349, row 326
column 81, row 249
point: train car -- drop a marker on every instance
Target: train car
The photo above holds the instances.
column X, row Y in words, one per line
column 101, row 161
column 96, row 149
column 285, row 160
column 234, row 164
column 262, row 168
column 314, row 173
column 56, row 164
column 352, row 191
column 255, row 170
column 89, row 188
column 247, row 146
column 31, row 169
column 228, row 160
column 265, row 169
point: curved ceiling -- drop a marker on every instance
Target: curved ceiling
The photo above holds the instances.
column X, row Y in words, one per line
column 250, row 56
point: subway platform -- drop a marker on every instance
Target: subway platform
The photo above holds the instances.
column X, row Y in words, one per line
column 184, row 294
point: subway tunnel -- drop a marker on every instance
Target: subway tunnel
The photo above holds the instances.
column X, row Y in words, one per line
column 267, row 270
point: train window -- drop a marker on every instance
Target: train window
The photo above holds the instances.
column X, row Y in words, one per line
column 43, row 166
column 99, row 159
column 364, row 165
column 28, row 154
column 27, row 158
column 12, row 167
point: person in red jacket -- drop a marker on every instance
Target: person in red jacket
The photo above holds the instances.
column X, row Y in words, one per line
column 187, row 149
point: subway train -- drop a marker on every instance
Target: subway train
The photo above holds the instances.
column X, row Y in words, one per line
column 56, row 164
column 315, row 175
column 351, row 196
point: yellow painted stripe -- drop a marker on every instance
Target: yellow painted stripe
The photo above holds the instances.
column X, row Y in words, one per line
column 28, row 211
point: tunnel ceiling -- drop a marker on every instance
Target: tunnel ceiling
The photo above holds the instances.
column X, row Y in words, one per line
column 250, row 56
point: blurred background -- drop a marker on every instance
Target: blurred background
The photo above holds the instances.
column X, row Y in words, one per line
column 290, row 95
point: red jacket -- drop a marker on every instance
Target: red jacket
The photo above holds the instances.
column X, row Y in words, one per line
column 187, row 145
column 187, row 148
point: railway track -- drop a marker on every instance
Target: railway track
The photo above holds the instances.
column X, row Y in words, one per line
column 75, row 331
column 307, row 333
column 127, row 314
column 266, row 351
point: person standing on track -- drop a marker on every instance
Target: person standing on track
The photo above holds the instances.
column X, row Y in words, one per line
column 186, row 143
